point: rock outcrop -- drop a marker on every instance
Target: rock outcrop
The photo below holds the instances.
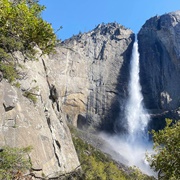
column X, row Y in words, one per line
column 90, row 71
column 40, row 125
column 159, row 42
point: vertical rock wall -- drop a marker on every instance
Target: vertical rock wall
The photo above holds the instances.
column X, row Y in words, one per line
column 89, row 73
column 92, row 75
column 159, row 46
column 40, row 125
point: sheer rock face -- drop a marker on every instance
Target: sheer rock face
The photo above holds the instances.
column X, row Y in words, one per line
column 92, row 75
column 89, row 75
column 159, row 46
column 41, row 126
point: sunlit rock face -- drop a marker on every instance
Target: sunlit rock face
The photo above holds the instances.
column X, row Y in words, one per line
column 159, row 46
column 39, row 125
column 91, row 73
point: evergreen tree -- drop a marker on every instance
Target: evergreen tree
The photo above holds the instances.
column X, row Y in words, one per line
column 166, row 160
column 21, row 29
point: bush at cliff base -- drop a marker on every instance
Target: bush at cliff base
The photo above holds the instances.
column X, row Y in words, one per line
column 14, row 162
column 166, row 160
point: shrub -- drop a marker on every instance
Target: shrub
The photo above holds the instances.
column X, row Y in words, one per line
column 137, row 174
column 99, row 166
column 21, row 29
column 166, row 160
column 31, row 95
column 9, row 71
column 13, row 162
column 95, row 164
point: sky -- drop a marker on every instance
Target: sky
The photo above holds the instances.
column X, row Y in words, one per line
column 84, row 15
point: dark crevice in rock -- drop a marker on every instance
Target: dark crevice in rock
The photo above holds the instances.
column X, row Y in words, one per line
column 1, row 76
column 52, row 89
column 8, row 108
column 117, row 32
column 45, row 69
column 58, row 144
column 101, row 54
column 55, row 142
column 57, row 157
column 54, row 96
column 112, row 92
column 49, row 123
column 82, row 122
column 35, row 169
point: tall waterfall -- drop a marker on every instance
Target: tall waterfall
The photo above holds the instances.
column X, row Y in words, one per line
column 134, row 145
column 136, row 116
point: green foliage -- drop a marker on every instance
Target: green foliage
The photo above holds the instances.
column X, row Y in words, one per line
column 167, row 147
column 17, row 84
column 22, row 25
column 31, row 95
column 136, row 174
column 97, row 165
column 9, row 71
column 21, row 29
column 14, row 161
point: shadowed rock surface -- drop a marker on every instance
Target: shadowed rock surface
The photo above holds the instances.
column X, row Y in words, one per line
column 159, row 42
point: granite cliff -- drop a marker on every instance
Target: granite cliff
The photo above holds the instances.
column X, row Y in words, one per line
column 83, row 83
column 90, row 71
column 159, row 42
column 40, row 125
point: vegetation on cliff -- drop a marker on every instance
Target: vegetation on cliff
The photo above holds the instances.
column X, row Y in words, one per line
column 166, row 161
column 97, row 165
column 14, row 162
column 21, row 29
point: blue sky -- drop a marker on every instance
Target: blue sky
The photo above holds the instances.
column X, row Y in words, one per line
column 84, row 15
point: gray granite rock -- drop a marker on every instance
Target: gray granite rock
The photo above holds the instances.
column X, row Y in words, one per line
column 40, row 125
column 159, row 46
column 91, row 72
column 10, row 97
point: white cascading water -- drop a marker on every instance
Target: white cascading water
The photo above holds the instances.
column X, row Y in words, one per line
column 136, row 116
column 133, row 146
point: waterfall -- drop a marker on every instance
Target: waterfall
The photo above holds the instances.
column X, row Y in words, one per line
column 132, row 147
column 136, row 116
